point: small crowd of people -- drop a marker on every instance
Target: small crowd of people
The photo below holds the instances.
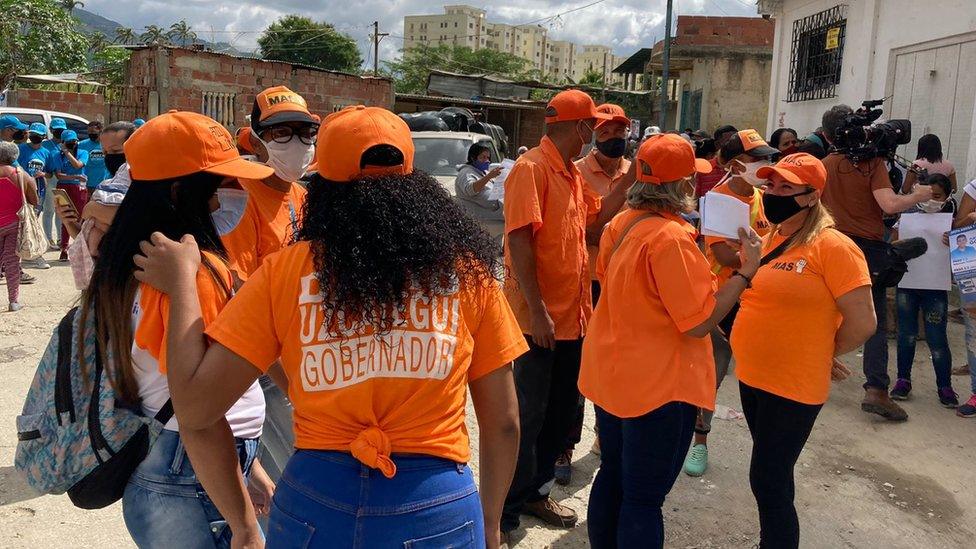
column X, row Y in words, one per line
column 324, row 261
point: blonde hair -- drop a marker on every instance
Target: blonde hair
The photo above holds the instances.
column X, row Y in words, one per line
column 818, row 220
column 669, row 197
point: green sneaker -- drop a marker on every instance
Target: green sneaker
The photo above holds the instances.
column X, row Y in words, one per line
column 697, row 461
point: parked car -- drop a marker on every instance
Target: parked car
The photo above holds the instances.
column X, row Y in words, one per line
column 29, row 116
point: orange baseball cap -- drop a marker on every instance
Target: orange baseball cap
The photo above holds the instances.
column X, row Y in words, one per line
column 572, row 105
column 747, row 142
column 279, row 104
column 244, row 139
column 347, row 134
column 799, row 169
column 616, row 113
column 667, row 157
column 182, row 143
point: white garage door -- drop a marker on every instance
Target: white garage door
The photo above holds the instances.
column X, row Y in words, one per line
column 936, row 89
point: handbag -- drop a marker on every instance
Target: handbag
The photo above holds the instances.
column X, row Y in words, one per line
column 31, row 241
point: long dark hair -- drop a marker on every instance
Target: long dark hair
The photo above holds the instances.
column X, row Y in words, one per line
column 929, row 148
column 377, row 241
column 173, row 207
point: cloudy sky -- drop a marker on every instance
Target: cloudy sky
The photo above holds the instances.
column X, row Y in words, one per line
column 626, row 25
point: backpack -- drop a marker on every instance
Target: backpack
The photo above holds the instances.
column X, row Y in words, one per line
column 74, row 435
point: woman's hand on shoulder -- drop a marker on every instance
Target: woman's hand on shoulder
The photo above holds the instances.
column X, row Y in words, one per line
column 167, row 265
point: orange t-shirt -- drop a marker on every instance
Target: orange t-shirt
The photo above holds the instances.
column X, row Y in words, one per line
column 757, row 219
column 783, row 337
column 636, row 357
column 545, row 194
column 365, row 393
column 602, row 183
column 270, row 219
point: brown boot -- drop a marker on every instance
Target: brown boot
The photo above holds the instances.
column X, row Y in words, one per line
column 551, row 512
column 877, row 401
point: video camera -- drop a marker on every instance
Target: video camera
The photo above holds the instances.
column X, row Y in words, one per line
column 860, row 139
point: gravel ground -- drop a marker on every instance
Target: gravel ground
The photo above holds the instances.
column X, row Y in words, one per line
column 861, row 482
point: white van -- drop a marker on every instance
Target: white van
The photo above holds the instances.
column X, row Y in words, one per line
column 29, row 116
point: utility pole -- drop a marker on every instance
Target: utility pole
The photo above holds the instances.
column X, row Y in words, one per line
column 666, row 68
column 377, row 36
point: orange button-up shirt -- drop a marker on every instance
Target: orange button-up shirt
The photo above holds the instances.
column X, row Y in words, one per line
column 543, row 193
column 655, row 287
column 602, row 183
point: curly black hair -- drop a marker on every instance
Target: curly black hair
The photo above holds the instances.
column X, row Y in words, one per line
column 376, row 241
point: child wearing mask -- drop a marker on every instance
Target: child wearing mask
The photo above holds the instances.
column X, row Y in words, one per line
column 741, row 156
column 934, row 305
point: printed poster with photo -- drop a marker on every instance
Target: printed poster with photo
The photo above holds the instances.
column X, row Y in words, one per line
column 962, row 259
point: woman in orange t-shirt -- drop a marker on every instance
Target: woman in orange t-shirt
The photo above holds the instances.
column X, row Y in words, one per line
column 647, row 364
column 810, row 302
column 385, row 313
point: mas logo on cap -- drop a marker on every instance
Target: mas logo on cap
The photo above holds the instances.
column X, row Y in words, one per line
column 752, row 136
column 285, row 97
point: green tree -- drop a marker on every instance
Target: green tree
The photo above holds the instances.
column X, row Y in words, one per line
column 38, row 36
column 181, row 33
column 124, row 35
column 109, row 65
column 298, row 39
column 97, row 42
column 592, row 78
column 154, row 36
column 70, row 5
column 411, row 71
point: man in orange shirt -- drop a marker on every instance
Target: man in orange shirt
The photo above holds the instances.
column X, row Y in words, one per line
column 741, row 155
column 602, row 169
column 547, row 210
column 282, row 135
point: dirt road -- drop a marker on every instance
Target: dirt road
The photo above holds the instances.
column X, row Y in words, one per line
column 861, row 482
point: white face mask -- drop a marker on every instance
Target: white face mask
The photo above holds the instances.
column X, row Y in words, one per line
column 749, row 174
column 290, row 159
column 231, row 210
column 931, row 206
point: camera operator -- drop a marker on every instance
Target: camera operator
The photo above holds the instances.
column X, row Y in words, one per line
column 859, row 195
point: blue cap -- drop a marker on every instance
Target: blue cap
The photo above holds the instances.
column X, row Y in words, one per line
column 38, row 128
column 68, row 135
column 58, row 124
column 11, row 121
column 138, row 122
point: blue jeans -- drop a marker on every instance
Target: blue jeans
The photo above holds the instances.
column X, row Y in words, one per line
column 640, row 459
column 165, row 506
column 970, row 323
column 934, row 305
column 330, row 499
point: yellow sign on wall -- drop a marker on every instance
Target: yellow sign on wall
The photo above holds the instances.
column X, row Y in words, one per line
column 833, row 38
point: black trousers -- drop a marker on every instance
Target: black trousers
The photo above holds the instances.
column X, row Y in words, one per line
column 779, row 428
column 547, row 385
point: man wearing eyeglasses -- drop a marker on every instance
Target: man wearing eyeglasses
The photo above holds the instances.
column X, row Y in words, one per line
column 282, row 136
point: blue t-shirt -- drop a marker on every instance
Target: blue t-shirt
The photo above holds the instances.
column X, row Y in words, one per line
column 95, row 168
column 33, row 161
column 61, row 164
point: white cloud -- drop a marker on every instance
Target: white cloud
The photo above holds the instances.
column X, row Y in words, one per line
column 626, row 25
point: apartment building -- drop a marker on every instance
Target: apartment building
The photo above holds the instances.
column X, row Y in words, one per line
column 557, row 60
column 458, row 25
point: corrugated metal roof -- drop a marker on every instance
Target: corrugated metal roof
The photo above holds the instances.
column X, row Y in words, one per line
column 527, row 105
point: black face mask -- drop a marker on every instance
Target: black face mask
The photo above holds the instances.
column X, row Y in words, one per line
column 19, row 135
column 93, row 137
column 612, row 148
column 780, row 208
column 36, row 139
column 113, row 161
column 57, row 133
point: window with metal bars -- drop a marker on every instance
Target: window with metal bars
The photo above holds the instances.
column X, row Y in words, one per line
column 817, row 55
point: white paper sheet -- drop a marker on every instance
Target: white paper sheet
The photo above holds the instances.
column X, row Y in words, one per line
column 723, row 215
column 497, row 191
column 930, row 271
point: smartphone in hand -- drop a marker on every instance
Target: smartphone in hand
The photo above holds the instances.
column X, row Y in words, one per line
column 64, row 200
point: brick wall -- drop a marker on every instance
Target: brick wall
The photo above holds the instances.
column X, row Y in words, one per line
column 90, row 106
column 188, row 74
column 532, row 127
column 694, row 30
